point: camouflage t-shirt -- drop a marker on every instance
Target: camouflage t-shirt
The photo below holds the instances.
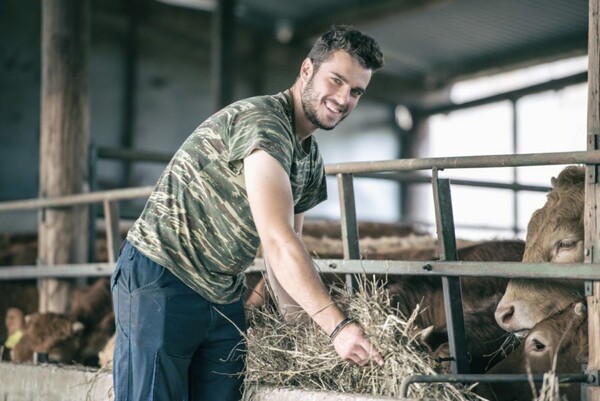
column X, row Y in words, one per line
column 197, row 221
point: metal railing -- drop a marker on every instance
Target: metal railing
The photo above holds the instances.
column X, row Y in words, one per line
column 351, row 264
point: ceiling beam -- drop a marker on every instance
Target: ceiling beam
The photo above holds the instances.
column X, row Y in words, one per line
column 361, row 13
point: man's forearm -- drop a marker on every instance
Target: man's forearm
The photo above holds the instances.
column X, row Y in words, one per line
column 299, row 284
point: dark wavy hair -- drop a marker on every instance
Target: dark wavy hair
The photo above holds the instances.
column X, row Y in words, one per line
column 346, row 38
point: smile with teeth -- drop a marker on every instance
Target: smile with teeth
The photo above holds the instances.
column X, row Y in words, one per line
column 333, row 108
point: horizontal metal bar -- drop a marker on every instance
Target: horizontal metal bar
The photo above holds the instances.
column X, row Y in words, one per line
column 410, row 178
column 585, row 271
column 78, row 199
column 485, row 161
column 56, row 271
column 475, row 269
column 133, row 155
column 489, row 378
column 533, row 159
column 554, row 84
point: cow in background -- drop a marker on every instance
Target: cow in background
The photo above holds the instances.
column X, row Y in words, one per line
column 92, row 306
column 480, row 297
column 50, row 333
column 558, row 343
column 554, row 234
column 15, row 324
column 75, row 337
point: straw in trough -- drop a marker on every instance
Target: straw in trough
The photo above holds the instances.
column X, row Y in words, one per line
column 302, row 356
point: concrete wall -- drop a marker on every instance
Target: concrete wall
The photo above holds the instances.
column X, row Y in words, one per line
column 25, row 382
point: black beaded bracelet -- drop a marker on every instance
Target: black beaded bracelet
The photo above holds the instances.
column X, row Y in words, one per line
column 340, row 326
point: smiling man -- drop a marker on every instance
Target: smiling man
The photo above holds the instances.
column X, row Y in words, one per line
column 243, row 178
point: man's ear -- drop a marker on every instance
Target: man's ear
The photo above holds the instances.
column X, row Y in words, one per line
column 306, row 70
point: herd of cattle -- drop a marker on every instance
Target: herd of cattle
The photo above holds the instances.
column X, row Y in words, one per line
column 548, row 315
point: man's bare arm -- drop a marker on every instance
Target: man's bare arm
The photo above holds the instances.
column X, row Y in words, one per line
column 271, row 202
column 289, row 308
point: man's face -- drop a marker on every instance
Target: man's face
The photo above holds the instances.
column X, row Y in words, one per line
column 332, row 91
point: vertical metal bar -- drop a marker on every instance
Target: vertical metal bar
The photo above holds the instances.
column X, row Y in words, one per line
column 113, row 236
column 451, row 285
column 515, row 149
column 93, row 207
column 223, row 53
column 349, row 224
column 131, row 52
column 592, row 192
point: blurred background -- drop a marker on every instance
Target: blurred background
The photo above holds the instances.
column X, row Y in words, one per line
column 462, row 77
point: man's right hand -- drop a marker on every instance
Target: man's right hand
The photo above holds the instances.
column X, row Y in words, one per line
column 352, row 346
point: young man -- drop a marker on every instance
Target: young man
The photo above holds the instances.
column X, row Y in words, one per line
column 243, row 178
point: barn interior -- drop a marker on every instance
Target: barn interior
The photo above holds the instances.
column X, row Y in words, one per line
column 153, row 70
column 156, row 69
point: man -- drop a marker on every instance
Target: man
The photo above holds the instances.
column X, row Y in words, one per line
column 243, row 178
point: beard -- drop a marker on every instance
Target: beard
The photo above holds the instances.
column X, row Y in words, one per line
column 309, row 105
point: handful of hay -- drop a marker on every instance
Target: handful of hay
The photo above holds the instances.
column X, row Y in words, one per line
column 302, row 356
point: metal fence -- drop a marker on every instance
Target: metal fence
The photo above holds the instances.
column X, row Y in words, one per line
column 448, row 268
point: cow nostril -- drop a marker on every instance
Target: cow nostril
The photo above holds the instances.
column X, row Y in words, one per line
column 506, row 314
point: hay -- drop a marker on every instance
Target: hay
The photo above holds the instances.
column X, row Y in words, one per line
column 302, row 356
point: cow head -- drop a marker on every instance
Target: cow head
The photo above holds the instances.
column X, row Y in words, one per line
column 554, row 234
column 14, row 320
column 49, row 333
column 558, row 343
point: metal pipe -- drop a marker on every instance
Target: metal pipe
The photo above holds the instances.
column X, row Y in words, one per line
column 554, row 84
column 529, row 159
column 437, row 268
column 489, row 378
column 411, row 178
column 533, row 159
column 580, row 271
column 133, row 155
column 79, row 199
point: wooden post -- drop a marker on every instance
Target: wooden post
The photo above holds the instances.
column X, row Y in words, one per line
column 592, row 193
column 64, row 140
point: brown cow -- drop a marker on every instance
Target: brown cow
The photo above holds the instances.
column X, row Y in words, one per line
column 480, row 297
column 92, row 306
column 91, row 318
column 562, row 336
column 50, row 333
column 554, row 234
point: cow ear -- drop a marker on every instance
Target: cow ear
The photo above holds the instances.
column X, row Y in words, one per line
column 77, row 327
column 553, row 182
column 580, row 309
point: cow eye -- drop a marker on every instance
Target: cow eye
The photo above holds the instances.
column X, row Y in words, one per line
column 538, row 346
column 567, row 244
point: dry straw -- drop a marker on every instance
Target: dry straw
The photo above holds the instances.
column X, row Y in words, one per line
column 301, row 356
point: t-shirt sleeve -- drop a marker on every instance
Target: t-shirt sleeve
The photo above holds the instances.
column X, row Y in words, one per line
column 260, row 129
column 316, row 190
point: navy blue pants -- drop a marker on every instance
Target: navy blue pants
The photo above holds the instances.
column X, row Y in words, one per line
column 171, row 343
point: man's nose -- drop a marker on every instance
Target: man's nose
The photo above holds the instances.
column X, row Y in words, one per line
column 342, row 95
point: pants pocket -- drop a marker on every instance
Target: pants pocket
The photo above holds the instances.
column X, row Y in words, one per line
column 170, row 378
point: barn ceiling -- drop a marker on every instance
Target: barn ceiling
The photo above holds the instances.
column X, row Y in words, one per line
column 429, row 44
